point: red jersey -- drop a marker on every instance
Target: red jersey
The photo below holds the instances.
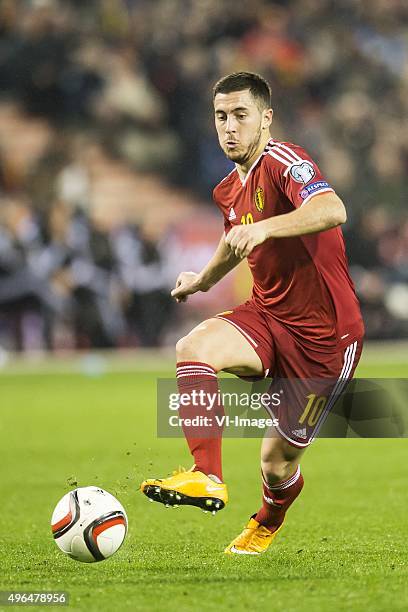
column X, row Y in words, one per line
column 302, row 281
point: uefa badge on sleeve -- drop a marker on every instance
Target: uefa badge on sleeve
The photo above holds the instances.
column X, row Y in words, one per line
column 302, row 172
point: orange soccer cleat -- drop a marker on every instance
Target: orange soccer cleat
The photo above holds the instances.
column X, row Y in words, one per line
column 254, row 540
column 187, row 488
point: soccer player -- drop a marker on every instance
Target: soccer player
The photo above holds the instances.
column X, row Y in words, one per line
column 303, row 320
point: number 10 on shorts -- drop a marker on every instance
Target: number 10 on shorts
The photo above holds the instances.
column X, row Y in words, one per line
column 313, row 409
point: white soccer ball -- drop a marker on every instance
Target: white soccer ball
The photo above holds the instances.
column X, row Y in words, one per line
column 89, row 524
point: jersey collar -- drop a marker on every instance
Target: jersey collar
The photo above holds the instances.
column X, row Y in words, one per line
column 244, row 180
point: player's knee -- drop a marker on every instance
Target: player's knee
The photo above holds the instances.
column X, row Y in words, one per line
column 275, row 471
column 184, row 349
column 192, row 348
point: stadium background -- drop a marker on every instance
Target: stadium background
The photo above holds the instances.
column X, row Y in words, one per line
column 108, row 155
column 107, row 160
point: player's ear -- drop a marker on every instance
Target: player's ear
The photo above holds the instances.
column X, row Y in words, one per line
column 267, row 116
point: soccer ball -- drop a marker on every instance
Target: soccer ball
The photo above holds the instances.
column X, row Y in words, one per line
column 89, row 524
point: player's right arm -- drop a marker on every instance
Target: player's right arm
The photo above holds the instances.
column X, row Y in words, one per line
column 222, row 262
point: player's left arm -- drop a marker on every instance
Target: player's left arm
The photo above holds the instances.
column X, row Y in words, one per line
column 321, row 212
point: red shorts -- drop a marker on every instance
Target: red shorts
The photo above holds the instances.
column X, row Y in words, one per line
column 321, row 377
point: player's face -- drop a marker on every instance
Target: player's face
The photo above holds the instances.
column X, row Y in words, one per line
column 240, row 124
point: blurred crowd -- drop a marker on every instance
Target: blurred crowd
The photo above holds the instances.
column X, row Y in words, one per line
column 64, row 282
column 107, row 150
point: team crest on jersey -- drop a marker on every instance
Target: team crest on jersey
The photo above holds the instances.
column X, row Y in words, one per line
column 302, row 172
column 259, row 198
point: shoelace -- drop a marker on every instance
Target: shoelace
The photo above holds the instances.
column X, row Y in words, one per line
column 182, row 470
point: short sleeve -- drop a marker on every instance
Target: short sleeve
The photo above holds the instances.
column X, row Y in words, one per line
column 295, row 173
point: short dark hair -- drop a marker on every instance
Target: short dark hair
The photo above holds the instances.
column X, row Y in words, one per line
column 238, row 81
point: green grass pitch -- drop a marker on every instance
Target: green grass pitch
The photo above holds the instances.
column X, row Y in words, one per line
column 344, row 546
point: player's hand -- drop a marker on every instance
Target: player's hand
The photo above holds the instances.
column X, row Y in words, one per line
column 242, row 239
column 186, row 284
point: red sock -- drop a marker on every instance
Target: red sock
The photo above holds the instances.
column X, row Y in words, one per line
column 277, row 499
column 204, row 442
